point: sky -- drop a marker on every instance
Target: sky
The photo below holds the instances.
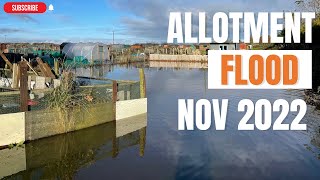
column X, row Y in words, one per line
column 133, row 21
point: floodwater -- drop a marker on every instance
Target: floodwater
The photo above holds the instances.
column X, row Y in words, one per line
column 154, row 149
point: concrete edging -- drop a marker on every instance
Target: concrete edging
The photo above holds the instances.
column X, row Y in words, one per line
column 129, row 108
column 12, row 128
column 24, row 126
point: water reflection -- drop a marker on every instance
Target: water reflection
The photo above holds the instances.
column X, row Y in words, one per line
column 178, row 65
column 228, row 154
column 92, row 71
column 173, row 154
column 60, row 157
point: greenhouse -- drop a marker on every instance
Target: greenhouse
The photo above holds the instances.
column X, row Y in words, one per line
column 91, row 52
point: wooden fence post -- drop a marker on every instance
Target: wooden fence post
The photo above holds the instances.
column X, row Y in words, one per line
column 115, row 141
column 114, row 97
column 142, row 83
column 56, row 67
column 142, row 140
column 23, row 86
column 115, row 147
column 15, row 76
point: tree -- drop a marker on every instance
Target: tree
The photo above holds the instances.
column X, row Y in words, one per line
column 309, row 5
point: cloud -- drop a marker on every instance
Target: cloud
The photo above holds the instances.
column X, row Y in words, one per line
column 109, row 30
column 10, row 30
column 25, row 18
column 62, row 18
column 68, row 28
column 45, row 39
column 149, row 19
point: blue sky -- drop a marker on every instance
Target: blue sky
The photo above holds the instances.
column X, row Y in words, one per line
column 132, row 20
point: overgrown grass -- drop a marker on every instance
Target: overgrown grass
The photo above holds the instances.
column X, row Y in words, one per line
column 68, row 95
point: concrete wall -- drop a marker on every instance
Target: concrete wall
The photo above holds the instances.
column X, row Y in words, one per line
column 71, row 149
column 12, row 128
column 58, row 155
column 61, row 156
column 131, row 124
column 129, row 108
column 44, row 123
column 166, row 57
column 12, row 161
column 32, row 125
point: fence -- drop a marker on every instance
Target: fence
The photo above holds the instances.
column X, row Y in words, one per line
column 10, row 101
column 91, row 90
column 27, row 115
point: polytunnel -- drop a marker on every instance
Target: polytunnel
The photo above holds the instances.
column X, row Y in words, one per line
column 91, row 51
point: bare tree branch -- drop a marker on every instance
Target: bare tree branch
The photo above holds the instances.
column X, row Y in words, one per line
column 309, row 5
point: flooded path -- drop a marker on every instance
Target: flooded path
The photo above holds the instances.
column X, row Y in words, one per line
column 153, row 148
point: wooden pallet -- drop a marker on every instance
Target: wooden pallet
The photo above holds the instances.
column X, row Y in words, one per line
column 45, row 68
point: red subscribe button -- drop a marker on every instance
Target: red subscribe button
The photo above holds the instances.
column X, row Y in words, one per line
column 25, row 7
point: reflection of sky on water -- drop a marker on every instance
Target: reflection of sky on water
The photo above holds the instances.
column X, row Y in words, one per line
column 212, row 154
column 229, row 154
column 194, row 154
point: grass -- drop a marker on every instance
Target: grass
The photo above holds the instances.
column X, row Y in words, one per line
column 18, row 145
column 67, row 95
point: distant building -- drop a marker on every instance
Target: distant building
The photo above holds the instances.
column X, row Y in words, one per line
column 224, row 46
column 243, row 46
column 136, row 47
column 117, row 47
column 166, row 46
column 27, row 48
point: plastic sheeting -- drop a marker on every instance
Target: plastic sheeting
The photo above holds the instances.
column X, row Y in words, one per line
column 90, row 51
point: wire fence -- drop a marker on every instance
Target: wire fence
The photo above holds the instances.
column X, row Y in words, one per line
column 9, row 101
column 127, row 91
column 91, row 90
column 70, row 91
